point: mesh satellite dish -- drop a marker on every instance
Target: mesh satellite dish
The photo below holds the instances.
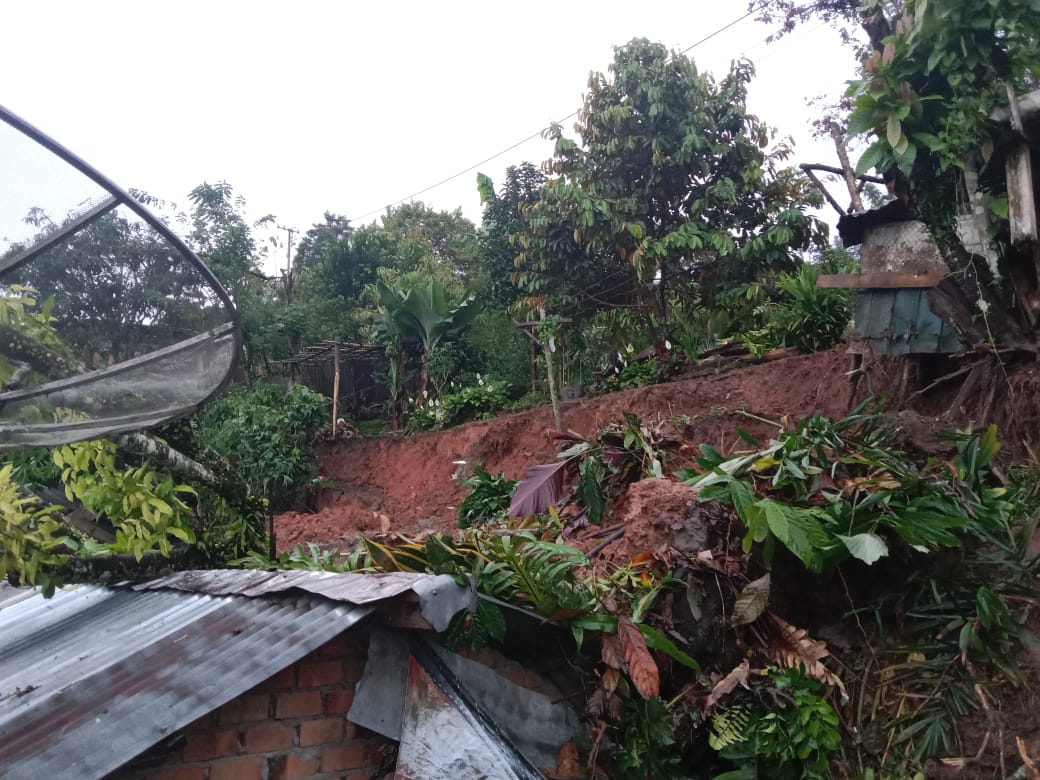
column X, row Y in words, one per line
column 108, row 321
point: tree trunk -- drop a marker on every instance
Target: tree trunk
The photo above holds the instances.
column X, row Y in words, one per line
column 165, row 455
column 848, row 172
column 554, row 396
column 43, row 359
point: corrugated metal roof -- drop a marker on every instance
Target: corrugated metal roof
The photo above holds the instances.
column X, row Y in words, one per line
column 94, row 676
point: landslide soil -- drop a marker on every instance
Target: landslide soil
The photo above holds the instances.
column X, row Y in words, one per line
column 412, row 484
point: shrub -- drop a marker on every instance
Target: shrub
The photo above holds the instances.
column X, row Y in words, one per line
column 267, row 436
column 477, row 402
column 808, row 317
column 489, row 499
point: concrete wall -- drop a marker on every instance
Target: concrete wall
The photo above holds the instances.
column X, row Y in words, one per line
column 292, row 725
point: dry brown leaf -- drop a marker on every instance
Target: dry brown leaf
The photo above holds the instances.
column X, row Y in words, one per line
column 751, row 602
column 609, row 681
column 613, row 655
column 793, row 648
column 727, row 684
column 641, row 665
column 567, row 763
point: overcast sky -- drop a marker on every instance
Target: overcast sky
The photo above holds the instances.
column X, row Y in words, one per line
column 307, row 107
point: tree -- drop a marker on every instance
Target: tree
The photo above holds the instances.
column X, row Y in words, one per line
column 321, row 239
column 503, row 219
column 670, row 185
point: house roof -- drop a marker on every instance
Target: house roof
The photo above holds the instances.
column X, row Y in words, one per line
column 96, row 675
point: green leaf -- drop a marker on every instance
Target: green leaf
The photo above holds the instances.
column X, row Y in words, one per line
column 865, row 547
column 659, row 641
column 894, row 131
column 589, row 490
column 874, row 154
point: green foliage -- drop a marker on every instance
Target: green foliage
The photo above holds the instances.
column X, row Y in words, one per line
column 34, row 467
column 638, row 374
column 669, row 186
column 495, row 346
column 268, row 437
column 945, row 68
column 488, row 500
column 32, row 542
column 477, row 402
column 147, row 508
column 792, row 740
column 808, row 317
column 476, row 628
column 648, row 746
column 830, row 490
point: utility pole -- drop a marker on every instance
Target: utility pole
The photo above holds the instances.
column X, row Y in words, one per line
column 288, row 275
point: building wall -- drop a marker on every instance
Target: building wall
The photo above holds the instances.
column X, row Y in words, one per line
column 292, row 725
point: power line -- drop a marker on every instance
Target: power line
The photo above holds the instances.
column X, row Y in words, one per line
column 531, row 137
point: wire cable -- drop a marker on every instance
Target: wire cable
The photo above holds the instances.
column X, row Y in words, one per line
column 531, row 137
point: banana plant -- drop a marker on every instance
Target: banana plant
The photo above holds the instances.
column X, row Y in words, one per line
column 421, row 315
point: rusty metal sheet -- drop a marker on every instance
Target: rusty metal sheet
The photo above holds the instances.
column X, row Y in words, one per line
column 94, row 676
column 900, row 322
column 445, row 736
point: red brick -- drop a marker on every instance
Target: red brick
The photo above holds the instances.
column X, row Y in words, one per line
column 237, row 769
column 284, row 679
column 354, row 669
column 321, row 732
column 180, row 773
column 337, row 702
column 317, row 673
column 298, row 704
column 247, row 708
column 204, row 745
column 291, row 767
column 337, row 758
column 267, row 738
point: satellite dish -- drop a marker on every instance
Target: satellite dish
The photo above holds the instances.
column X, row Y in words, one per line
column 108, row 321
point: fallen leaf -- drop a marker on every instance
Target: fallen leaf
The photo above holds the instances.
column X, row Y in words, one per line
column 613, row 655
column 727, row 684
column 641, row 665
column 611, row 678
column 751, row 602
column 792, row 648
column 567, row 763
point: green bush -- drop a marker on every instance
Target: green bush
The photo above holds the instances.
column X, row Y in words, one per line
column 478, row 402
column 638, row 374
column 808, row 317
column 489, row 499
column 267, row 435
column 496, row 347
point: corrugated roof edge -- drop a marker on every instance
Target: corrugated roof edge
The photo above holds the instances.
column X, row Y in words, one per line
column 440, row 596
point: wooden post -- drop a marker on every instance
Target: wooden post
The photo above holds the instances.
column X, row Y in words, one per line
column 335, row 388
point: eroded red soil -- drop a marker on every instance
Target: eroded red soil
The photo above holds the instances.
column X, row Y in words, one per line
column 414, row 483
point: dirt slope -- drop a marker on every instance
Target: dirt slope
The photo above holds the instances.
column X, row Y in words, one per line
column 415, row 483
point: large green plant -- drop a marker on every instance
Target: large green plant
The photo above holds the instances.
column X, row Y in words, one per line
column 421, row 314
column 807, row 317
column 267, row 436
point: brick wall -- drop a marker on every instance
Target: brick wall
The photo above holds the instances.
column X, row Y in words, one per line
column 292, row 725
